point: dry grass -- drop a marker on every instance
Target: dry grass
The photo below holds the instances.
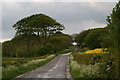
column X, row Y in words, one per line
column 82, row 58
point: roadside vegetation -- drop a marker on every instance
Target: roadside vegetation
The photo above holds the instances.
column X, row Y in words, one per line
column 98, row 52
column 37, row 41
column 92, row 65
column 15, row 69
column 12, row 66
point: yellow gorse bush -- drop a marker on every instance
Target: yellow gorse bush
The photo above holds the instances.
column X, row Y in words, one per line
column 97, row 51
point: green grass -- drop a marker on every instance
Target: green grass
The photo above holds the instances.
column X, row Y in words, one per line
column 21, row 58
column 9, row 74
column 64, row 51
column 14, row 59
column 75, row 73
column 6, row 61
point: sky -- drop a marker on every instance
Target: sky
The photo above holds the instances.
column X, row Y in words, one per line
column 75, row 16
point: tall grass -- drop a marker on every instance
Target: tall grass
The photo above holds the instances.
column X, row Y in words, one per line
column 80, row 70
column 92, row 66
column 6, row 61
column 12, row 70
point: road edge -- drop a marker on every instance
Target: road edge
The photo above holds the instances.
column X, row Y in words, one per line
column 68, row 75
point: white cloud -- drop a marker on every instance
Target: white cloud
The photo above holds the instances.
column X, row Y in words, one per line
column 82, row 25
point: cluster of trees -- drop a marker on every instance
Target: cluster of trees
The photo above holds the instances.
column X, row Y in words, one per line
column 114, row 39
column 36, row 35
column 114, row 27
column 92, row 38
column 107, row 37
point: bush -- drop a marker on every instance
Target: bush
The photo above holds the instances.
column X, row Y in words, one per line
column 60, row 41
column 82, row 58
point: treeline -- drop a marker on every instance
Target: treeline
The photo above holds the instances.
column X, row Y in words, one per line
column 36, row 35
column 92, row 38
column 17, row 47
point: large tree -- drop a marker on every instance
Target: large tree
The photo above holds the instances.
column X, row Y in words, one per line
column 114, row 38
column 22, row 28
column 38, row 24
column 45, row 25
column 114, row 27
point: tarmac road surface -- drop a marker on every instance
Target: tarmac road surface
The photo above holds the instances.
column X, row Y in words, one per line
column 57, row 68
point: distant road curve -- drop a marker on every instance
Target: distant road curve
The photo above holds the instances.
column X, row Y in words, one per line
column 57, row 68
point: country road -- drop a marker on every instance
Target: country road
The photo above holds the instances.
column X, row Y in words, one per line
column 57, row 68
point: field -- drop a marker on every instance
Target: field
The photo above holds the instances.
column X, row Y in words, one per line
column 13, row 67
column 6, row 61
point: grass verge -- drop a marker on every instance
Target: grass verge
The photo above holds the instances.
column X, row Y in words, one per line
column 93, row 66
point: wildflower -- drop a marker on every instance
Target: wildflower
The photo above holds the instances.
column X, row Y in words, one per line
column 96, row 51
column 36, row 61
column 10, row 67
column 87, row 70
column 32, row 62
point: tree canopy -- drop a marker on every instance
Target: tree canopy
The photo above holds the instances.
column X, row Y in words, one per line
column 40, row 25
column 94, row 38
column 114, row 27
column 80, row 38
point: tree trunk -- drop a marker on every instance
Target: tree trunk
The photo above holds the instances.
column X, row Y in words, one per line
column 28, row 46
column 44, row 42
column 38, row 38
column 45, row 38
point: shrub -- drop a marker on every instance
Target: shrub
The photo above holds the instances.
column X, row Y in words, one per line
column 81, row 70
column 97, row 51
column 82, row 58
column 48, row 49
